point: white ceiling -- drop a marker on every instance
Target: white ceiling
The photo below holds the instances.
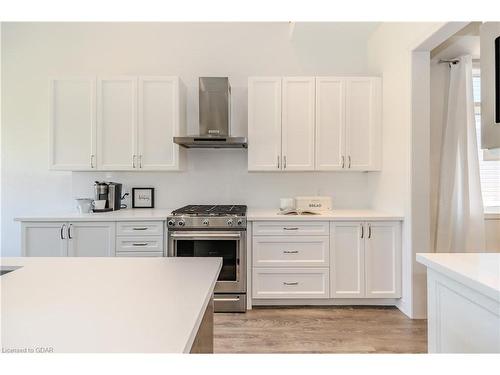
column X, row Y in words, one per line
column 332, row 31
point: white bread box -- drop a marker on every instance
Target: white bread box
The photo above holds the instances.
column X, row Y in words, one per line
column 313, row 204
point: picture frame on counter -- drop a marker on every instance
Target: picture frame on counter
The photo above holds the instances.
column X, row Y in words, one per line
column 143, row 197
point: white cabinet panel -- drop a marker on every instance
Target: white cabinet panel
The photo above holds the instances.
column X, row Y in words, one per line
column 291, row 228
column 117, row 123
column 347, row 271
column 139, row 254
column 44, row 239
column 330, row 123
column 264, row 123
column 139, row 244
column 290, row 283
column 298, row 123
column 91, row 239
column 382, row 260
column 299, row 251
column 363, row 123
column 159, row 122
column 72, row 124
column 139, row 228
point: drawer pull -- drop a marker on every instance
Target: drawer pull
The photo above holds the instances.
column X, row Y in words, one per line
column 140, row 228
column 233, row 299
column 290, row 228
column 291, row 284
column 140, row 244
column 290, row 252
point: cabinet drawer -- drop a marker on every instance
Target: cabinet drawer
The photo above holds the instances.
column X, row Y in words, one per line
column 291, row 228
column 139, row 254
column 278, row 283
column 297, row 251
column 139, row 228
column 139, row 244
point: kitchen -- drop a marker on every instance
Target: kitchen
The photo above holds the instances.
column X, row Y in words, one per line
column 210, row 146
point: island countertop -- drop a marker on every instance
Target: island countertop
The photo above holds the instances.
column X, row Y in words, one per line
column 478, row 271
column 105, row 304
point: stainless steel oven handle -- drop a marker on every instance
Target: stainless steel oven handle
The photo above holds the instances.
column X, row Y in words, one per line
column 201, row 236
column 232, row 299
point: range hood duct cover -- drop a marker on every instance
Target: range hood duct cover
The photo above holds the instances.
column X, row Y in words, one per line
column 215, row 117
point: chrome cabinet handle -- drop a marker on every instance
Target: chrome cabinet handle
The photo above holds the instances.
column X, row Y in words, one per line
column 69, row 232
column 289, row 284
column 290, row 252
column 133, row 160
column 140, row 161
column 92, row 161
column 284, row 162
column 349, row 157
column 62, row 231
column 278, row 162
column 369, row 231
column 343, row 161
column 232, row 299
column 362, row 230
column 288, row 228
column 139, row 228
column 140, row 244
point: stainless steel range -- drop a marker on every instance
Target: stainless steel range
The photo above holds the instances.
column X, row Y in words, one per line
column 214, row 231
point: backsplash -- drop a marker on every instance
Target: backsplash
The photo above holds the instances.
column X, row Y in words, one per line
column 221, row 176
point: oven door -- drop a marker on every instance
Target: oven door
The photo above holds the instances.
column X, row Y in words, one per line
column 228, row 245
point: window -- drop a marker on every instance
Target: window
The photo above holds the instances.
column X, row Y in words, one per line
column 488, row 169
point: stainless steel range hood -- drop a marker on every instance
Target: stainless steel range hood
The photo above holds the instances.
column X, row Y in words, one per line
column 215, row 117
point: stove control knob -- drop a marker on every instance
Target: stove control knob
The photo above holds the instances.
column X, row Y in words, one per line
column 205, row 222
column 181, row 223
column 171, row 223
column 240, row 222
column 230, row 222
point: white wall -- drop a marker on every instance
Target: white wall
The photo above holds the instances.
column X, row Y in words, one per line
column 390, row 54
column 31, row 52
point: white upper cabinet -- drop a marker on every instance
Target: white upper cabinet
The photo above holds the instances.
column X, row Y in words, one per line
column 159, row 122
column 264, row 123
column 314, row 123
column 363, row 123
column 117, row 123
column 330, row 123
column 298, row 123
column 72, row 124
column 120, row 123
column 383, row 260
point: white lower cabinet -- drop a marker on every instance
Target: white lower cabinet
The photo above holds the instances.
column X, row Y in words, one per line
column 44, row 239
column 365, row 259
column 347, row 271
column 90, row 239
column 290, row 283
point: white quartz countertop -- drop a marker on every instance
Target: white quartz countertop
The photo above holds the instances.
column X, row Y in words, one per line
column 106, row 304
column 355, row 215
column 130, row 214
column 479, row 271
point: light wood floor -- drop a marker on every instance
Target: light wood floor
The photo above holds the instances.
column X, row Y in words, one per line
column 319, row 330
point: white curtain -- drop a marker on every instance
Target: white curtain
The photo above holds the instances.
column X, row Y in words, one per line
column 460, row 221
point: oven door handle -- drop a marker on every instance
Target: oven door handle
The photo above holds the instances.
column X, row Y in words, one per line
column 207, row 236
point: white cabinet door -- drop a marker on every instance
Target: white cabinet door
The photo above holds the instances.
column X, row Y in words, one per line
column 159, row 123
column 383, row 260
column 47, row 239
column 117, row 123
column 72, row 124
column 363, row 123
column 298, row 123
column 91, row 239
column 330, row 123
column 264, row 124
column 347, row 270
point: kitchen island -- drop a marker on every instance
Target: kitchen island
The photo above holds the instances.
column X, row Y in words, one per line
column 463, row 298
column 81, row 305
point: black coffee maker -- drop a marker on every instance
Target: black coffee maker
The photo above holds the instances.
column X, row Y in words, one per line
column 111, row 192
